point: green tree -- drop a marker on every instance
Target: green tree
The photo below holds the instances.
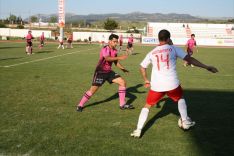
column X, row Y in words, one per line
column 20, row 26
column 33, row 19
column 82, row 23
column 110, row 24
column 12, row 18
column 53, row 19
column 2, row 25
column 19, row 20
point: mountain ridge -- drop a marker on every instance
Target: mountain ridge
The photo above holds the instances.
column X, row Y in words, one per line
column 133, row 16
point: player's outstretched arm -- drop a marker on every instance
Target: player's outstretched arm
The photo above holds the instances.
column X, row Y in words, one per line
column 121, row 67
column 144, row 76
column 117, row 58
column 197, row 63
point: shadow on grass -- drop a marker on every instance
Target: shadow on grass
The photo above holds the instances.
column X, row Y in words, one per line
column 213, row 113
column 135, row 53
column 130, row 95
column 44, row 51
column 11, row 58
column 9, row 47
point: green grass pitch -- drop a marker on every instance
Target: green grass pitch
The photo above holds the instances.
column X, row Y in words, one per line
column 38, row 94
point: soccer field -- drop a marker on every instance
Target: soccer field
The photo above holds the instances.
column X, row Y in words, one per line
column 38, row 94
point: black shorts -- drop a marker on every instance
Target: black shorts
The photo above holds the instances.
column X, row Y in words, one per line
column 69, row 41
column 129, row 45
column 29, row 43
column 190, row 51
column 100, row 78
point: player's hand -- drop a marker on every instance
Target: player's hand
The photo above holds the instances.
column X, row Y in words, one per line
column 212, row 69
column 147, row 84
column 123, row 57
column 125, row 70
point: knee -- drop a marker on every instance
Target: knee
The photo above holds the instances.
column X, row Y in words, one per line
column 148, row 106
column 123, row 83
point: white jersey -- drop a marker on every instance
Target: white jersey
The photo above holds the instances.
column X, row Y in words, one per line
column 60, row 39
column 163, row 58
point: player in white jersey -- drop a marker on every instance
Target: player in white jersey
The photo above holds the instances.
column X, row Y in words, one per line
column 164, row 79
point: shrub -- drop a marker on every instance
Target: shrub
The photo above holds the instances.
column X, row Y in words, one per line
column 2, row 25
column 20, row 26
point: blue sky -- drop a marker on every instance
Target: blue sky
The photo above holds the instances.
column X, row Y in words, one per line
column 204, row 8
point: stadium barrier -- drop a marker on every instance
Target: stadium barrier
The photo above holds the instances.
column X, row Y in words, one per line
column 23, row 32
column 200, row 41
column 206, row 34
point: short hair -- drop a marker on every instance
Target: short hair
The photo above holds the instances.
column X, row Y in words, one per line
column 192, row 35
column 113, row 36
column 164, row 35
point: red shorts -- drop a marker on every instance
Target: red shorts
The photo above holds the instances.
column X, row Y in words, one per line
column 154, row 97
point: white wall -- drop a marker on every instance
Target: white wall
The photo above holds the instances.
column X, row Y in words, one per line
column 97, row 36
column 23, row 32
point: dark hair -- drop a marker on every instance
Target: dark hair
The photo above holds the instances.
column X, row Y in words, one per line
column 163, row 35
column 113, row 36
column 193, row 35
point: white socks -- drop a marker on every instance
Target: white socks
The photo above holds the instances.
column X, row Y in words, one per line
column 142, row 118
column 182, row 109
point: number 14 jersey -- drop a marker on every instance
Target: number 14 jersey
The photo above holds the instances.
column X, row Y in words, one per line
column 163, row 75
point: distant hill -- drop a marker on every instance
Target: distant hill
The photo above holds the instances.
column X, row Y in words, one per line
column 135, row 16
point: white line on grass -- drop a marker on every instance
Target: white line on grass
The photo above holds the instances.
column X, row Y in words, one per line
column 17, row 64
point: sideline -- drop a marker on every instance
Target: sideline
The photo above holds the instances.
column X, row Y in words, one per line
column 37, row 60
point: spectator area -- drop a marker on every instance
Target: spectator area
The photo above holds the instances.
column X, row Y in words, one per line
column 202, row 31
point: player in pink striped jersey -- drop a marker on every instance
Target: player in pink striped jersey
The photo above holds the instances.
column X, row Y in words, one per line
column 130, row 45
column 42, row 40
column 104, row 72
column 120, row 42
column 190, row 45
column 29, row 38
